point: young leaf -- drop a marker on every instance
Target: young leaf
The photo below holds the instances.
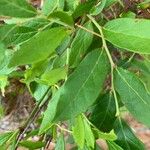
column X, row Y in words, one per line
column 104, row 118
column 79, row 132
column 130, row 34
column 16, row 8
column 133, row 94
column 126, row 139
column 13, row 34
column 80, row 45
column 111, row 136
column 89, row 136
column 60, row 145
column 51, row 77
column 80, row 90
column 39, row 47
column 49, row 6
column 32, row 145
column 113, row 146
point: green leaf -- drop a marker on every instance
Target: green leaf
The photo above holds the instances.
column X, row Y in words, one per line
column 13, row 34
column 60, row 145
column 79, row 132
column 130, row 34
column 113, row 146
column 35, row 71
column 39, row 47
column 50, row 77
column 126, row 138
column 62, row 17
column 110, row 2
column 133, row 94
column 2, row 52
column 37, row 90
column 32, row 145
column 128, row 14
column 104, row 118
column 145, row 4
column 80, row 90
column 16, row 8
column 72, row 4
column 89, row 136
column 111, row 136
column 49, row 6
column 4, row 70
column 98, row 8
column 80, row 45
column 5, row 137
column 82, row 9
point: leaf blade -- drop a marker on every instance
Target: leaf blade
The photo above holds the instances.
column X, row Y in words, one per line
column 16, row 8
column 41, row 45
column 130, row 34
column 127, row 82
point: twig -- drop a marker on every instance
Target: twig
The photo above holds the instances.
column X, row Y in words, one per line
column 92, row 32
column 33, row 115
column 110, row 60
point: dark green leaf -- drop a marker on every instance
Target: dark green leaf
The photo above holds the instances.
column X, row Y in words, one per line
column 39, row 47
column 82, row 9
column 130, row 34
column 32, row 145
column 113, row 146
column 133, row 94
column 16, row 8
column 126, row 139
column 103, row 115
column 2, row 52
column 80, row 91
column 80, row 45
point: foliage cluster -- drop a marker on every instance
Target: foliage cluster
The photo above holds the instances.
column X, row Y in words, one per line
column 84, row 66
